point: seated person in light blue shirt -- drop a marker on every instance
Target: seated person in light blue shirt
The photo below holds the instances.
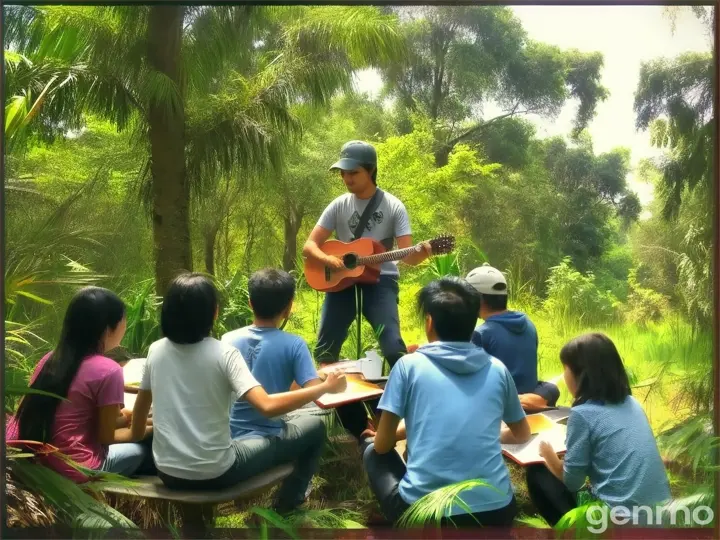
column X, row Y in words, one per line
column 453, row 398
column 511, row 337
column 277, row 359
column 609, row 441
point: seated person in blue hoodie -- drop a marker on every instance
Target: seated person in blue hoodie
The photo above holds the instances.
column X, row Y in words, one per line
column 510, row 336
column 453, row 398
column 277, row 359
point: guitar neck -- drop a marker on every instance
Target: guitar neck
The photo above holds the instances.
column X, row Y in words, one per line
column 386, row 256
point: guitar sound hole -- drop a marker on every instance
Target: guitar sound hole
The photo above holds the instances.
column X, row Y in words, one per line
column 350, row 260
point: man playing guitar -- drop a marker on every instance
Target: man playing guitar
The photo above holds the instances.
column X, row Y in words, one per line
column 366, row 211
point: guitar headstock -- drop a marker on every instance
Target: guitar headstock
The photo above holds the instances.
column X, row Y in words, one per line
column 442, row 244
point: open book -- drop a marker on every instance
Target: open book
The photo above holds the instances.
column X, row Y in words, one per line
column 542, row 430
column 558, row 414
column 357, row 390
column 133, row 373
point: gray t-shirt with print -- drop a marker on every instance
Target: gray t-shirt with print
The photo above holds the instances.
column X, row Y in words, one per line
column 386, row 223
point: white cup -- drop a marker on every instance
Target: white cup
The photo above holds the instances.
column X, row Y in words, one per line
column 372, row 365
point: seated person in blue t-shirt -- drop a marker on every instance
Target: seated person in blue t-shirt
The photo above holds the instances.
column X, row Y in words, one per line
column 277, row 359
column 609, row 440
column 453, row 398
column 511, row 337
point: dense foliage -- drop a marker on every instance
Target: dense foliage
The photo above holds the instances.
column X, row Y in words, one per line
column 142, row 141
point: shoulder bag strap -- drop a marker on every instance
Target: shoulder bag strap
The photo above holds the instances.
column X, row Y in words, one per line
column 375, row 201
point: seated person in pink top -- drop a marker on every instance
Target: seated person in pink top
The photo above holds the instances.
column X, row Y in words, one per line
column 89, row 427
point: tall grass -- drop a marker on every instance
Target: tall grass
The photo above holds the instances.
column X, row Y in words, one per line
column 668, row 362
column 143, row 324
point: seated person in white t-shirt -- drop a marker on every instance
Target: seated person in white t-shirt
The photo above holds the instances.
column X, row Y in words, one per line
column 191, row 380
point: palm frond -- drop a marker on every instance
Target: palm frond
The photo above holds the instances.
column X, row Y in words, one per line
column 245, row 127
column 76, row 507
column 216, row 38
column 435, row 506
column 692, row 444
column 143, row 317
column 679, row 511
column 365, row 36
column 578, row 519
column 76, row 58
column 536, row 522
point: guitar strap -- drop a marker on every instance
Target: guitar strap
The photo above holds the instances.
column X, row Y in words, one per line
column 375, row 201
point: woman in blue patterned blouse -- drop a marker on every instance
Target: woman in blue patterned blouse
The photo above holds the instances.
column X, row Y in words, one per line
column 609, row 440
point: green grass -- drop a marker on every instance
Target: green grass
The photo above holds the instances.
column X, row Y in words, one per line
column 662, row 358
column 667, row 362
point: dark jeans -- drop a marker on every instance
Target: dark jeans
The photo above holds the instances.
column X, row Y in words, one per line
column 549, row 495
column 385, row 471
column 380, row 308
column 302, row 442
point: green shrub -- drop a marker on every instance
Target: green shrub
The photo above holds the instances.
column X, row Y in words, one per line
column 575, row 299
column 644, row 305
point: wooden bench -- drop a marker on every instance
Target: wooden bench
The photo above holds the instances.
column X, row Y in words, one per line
column 197, row 506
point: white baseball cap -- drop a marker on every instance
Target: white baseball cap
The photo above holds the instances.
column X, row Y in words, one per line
column 487, row 280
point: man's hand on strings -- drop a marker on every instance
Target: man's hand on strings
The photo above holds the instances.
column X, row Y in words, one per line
column 334, row 262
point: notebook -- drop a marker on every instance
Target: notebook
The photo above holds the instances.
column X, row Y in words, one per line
column 357, row 390
column 347, row 366
column 556, row 414
column 528, row 453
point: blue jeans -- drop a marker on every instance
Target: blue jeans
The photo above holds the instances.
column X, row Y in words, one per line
column 385, row 471
column 380, row 308
column 129, row 459
column 301, row 442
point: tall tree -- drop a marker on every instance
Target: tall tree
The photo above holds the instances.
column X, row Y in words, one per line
column 464, row 58
column 209, row 90
column 571, row 209
column 674, row 101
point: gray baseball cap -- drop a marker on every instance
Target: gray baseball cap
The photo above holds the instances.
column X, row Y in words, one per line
column 353, row 154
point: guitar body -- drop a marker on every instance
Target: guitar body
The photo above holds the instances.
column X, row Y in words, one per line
column 322, row 279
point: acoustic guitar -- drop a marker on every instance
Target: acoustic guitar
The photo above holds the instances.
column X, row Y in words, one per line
column 362, row 259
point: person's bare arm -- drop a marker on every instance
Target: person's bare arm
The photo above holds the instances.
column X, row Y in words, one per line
column 552, row 461
column 141, row 410
column 311, row 249
column 123, row 418
column 401, row 433
column 416, row 257
column 108, row 433
column 386, row 435
column 515, row 432
column 271, row 405
column 315, row 382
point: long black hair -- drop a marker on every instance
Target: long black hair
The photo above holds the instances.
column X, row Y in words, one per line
column 598, row 369
column 91, row 312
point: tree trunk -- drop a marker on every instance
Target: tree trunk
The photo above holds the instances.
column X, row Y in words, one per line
column 442, row 155
column 292, row 228
column 170, row 190
column 210, row 241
